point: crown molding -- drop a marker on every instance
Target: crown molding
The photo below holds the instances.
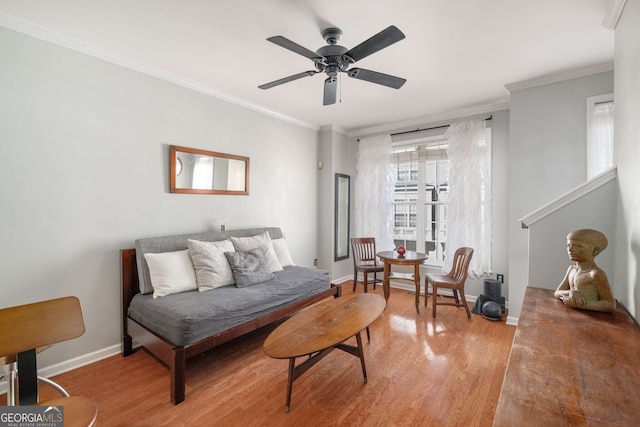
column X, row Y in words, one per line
column 432, row 118
column 613, row 15
column 334, row 128
column 50, row 36
column 559, row 77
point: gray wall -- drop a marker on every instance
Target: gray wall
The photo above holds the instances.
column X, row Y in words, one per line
column 85, row 149
column 342, row 163
column 627, row 156
column 336, row 157
column 547, row 158
column 548, row 259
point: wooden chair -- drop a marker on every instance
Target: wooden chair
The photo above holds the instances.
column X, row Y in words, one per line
column 26, row 328
column 454, row 280
column 365, row 260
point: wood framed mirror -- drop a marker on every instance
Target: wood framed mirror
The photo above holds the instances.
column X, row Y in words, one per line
column 195, row 171
column 342, row 208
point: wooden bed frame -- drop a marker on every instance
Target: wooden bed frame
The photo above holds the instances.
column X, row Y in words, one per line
column 174, row 357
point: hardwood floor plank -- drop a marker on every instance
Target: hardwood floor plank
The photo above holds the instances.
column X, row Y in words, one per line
column 422, row 371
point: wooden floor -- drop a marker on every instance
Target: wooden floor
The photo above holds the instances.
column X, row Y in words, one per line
column 421, row 371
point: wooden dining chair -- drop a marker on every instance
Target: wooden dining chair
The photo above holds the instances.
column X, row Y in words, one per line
column 454, row 280
column 26, row 328
column 365, row 261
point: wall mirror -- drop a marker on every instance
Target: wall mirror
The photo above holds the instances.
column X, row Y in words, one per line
column 341, row 237
column 194, row 171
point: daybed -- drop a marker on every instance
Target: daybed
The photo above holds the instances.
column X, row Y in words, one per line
column 175, row 327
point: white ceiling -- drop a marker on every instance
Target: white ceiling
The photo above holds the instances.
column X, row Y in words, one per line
column 457, row 55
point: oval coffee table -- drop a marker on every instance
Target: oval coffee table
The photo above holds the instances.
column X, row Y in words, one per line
column 317, row 330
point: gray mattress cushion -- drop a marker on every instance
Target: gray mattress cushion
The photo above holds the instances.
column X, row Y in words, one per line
column 189, row 317
column 180, row 242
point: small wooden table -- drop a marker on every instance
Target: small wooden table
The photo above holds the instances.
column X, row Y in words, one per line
column 315, row 331
column 571, row 367
column 409, row 258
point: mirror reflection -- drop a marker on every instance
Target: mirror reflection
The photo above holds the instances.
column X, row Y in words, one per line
column 207, row 172
column 341, row 232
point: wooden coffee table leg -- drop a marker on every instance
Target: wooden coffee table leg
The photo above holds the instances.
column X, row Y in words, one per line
column 296, row 371
column 292, row 365
column 361, row 356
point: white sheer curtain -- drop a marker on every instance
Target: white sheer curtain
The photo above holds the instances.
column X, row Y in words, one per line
column 469, row 203
column 601, row 157
column 203, row 173
column 374, row 185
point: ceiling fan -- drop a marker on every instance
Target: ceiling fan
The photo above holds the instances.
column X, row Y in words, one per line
column 333, row 59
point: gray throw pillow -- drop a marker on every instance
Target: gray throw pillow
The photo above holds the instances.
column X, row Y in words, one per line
column 244, row 244
column 212, row 268
column 249, row 267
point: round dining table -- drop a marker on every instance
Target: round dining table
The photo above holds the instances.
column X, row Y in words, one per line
column 413, row 258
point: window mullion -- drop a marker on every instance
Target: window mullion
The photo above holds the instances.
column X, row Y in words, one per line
column 421, row 207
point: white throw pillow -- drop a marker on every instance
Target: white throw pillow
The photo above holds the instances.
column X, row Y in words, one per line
column 282, row 252
column 171, row 272
column 263, row 241
column 212, row 268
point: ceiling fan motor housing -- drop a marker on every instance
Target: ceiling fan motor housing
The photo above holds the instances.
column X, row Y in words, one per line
column 334, row 59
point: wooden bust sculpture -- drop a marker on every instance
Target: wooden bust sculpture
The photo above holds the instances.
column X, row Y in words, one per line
column 585, row 285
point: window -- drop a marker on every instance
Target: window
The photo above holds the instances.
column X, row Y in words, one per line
column 420, row 194
column 599, row 134
column 442, row 196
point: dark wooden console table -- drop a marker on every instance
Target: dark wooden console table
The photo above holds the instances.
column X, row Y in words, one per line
column 571, row 367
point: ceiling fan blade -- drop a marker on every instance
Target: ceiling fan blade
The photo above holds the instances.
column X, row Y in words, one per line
column 375, row 77
column 287, row 79
column 330, row 90
column 295, row 47
column 383, row 39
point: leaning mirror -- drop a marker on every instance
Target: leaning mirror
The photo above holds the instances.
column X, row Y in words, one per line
column 194, row 171
column 341, row 237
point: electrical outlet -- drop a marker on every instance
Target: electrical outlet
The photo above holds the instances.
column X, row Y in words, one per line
column 500, row 277
column 315, row 262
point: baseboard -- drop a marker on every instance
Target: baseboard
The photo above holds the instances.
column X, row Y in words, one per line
column 512, row 320
column 71, row 364
column 411, row 288
column 341, row 280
